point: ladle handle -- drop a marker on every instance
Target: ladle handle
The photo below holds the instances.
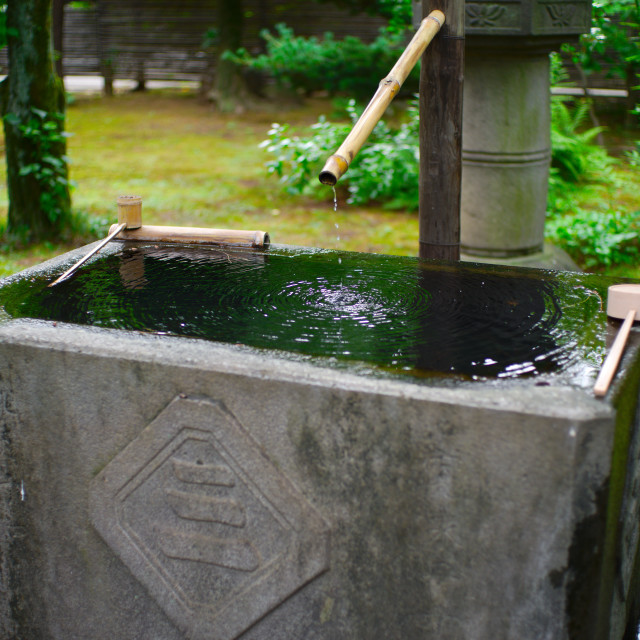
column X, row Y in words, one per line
column 612, row 360
column 113, row 232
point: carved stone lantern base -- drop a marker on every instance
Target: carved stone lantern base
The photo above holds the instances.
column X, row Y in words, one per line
column 506, row 152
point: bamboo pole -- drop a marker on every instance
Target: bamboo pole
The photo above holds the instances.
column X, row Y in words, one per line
column 196, row 235
column 441, row 77
column 610, row 366
column 339, row 162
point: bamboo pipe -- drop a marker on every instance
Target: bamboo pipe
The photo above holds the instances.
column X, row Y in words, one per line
column 130, row 213
column 196, row 235
column 339, row 162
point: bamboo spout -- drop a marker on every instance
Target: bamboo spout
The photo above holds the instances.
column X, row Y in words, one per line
column 388, row 88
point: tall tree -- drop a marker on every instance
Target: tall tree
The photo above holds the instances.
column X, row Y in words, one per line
column 229, row 87
column 33, row 102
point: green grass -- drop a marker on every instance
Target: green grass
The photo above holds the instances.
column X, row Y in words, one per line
column 194, row 166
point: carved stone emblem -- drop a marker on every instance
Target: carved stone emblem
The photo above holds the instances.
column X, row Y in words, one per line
column 484, row 15
column 527, row 17
column 558, row 17
column 206, row 522
column 561, row 14
column 490, row 18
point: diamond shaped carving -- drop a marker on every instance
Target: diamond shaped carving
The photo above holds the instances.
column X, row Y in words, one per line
column 201, row 517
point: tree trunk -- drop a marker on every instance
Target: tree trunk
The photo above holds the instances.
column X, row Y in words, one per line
column 58, row 30
column 229, row 85
column 33, row 110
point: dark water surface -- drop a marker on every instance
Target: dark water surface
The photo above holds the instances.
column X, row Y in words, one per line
column 395, row 314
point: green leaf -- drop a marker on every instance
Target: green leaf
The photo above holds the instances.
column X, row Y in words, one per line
column 39, row 112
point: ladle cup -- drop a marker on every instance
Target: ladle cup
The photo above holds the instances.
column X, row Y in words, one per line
column 623, row 302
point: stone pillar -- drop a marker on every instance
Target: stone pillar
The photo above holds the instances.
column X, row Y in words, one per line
column 506, row 152
column 506, row 149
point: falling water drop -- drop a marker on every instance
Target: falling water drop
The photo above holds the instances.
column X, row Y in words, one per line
column 335, row 208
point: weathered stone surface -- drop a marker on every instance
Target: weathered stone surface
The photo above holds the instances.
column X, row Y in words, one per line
column 326, row 505
column 389, row 509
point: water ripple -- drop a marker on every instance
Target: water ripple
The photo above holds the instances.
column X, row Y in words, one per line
column 391, row 312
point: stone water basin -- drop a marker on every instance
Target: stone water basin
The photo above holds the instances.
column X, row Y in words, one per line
column 298, row 443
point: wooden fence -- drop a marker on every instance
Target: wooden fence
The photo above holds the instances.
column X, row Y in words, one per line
column 163, row 39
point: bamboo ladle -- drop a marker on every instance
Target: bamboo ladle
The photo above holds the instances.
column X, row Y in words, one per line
column 623, row 302
column 129, row 216
column 130, row 227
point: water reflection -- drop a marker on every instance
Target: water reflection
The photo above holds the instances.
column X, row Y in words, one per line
column 394, row 313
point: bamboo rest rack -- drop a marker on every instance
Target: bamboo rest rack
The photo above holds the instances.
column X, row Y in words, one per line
column 130, row 228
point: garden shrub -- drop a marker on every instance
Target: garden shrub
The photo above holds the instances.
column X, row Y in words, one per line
column 595, row 238
column 384, row 170
column 598, row 238
column 573, row 153
column 310, row 64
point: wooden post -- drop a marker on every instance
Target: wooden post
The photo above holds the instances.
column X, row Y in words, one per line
column 441, row 78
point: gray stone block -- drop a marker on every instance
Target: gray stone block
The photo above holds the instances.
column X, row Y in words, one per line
column 166, row 488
